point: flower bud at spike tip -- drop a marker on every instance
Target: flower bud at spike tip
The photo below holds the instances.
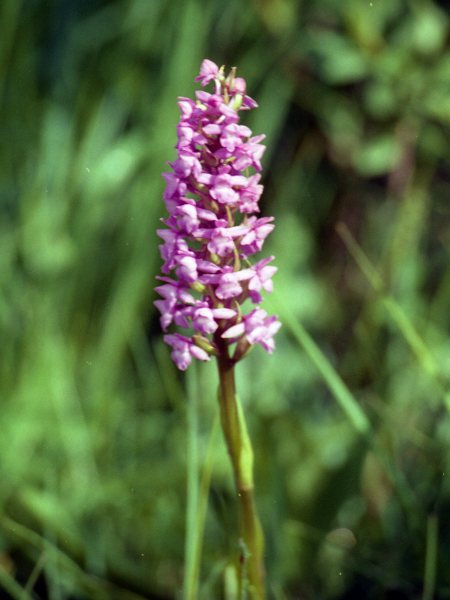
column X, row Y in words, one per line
column 212, row 195
column 205, row 344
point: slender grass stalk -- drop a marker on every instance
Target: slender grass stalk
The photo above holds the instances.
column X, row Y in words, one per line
column 10, row 585
column 34, row 575
column 335, row 384
column 250, row 560
column 190, row 584
column 397, row 314
column 92, row 586
column 205, row 483
column 198, row 483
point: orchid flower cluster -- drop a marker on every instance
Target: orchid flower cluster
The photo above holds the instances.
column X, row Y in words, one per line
column 211, row 196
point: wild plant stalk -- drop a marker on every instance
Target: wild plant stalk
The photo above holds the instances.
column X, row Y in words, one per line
column 212, row 194
column 251, row 556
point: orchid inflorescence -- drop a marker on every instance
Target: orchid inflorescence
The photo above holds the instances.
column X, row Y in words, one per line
column 211, row 195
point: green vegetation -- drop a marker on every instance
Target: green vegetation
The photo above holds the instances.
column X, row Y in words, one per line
column 102, row 455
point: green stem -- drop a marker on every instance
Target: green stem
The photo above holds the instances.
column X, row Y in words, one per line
column 251, row 568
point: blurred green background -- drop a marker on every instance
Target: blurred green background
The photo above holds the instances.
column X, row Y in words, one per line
column 349, row 417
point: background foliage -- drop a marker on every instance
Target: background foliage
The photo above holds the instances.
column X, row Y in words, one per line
column 349, row 417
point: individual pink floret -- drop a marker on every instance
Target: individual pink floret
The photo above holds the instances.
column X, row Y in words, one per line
column 208, row 72
column 184, row 350
column 258, row 328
